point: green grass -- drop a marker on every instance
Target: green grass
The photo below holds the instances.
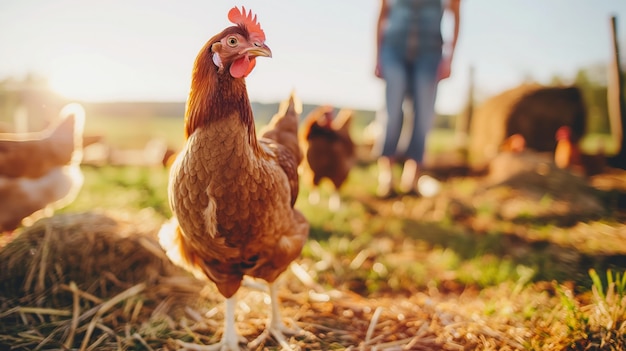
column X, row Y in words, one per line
column 415, row 245
column 385, row 249
column 124, row 189
column 135, row 132
column 359, row 222
column 375, row 247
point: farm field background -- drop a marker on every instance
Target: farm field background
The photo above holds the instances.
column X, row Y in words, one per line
column 449, row 272
column 512, row 253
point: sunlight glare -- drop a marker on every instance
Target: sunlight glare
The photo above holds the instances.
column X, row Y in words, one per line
column 85, row 76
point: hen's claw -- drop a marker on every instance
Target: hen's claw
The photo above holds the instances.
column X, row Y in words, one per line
column 279, row 332
column 275, row 327
column 220, row 346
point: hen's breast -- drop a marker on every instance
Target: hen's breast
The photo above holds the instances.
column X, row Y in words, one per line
column 228, row 200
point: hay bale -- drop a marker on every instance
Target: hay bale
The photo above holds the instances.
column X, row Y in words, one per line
column 529, row 186
column 532, row 110
column 84, row 281
column 101, row 254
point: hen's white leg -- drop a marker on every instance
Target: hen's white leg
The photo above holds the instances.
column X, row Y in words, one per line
column 334, row 202
column 314, row 196
column 275, row 326
column 230, row 337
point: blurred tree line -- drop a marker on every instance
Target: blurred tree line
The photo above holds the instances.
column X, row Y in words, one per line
column 592, row 82
column 32, row 94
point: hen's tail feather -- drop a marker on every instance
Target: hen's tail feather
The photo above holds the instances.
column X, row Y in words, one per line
column 312, row 118
column 283, row 127
column 343, row 121
column 171, row 239
column 72, row 124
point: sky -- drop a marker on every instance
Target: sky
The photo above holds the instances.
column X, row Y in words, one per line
column 111, row 50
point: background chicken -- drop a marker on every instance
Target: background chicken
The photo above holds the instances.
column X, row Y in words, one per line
column 40, row 172
column 34, row 154
column 568, row 155
column 232, row 195
column 515, row 144
column 329, row 149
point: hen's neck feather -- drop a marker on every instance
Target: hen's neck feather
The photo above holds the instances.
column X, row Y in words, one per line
column 217, row 95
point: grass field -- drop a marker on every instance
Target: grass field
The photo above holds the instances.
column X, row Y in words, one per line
column 135, row 132
column 541, row 274
column 448, row 272
column 363, row 220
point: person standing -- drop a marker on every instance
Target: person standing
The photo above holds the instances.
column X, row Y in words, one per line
column 411, row 58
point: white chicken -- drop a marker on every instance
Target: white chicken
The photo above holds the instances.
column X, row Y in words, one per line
column 40, row 172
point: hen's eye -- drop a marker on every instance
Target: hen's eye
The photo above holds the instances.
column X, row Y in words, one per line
column 232, row 41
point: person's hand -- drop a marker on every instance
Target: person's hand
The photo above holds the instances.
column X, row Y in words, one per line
column 378, row 70
column 445, row 68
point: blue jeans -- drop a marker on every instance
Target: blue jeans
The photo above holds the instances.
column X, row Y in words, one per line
column 416, row 80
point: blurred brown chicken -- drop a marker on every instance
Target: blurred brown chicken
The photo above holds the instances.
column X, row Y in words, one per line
column 40, row 172
column 329, row 150
column 232, row 195
column 515, row 144
column 568, row 155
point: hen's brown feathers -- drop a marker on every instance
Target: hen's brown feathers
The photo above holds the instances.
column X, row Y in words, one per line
column 234, row 208
column 281, row 136
column 283, row 127
column 220, row 99
column 233, row 195
column 329, row 149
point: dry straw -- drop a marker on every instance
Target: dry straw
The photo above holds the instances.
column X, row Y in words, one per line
column 96, row 282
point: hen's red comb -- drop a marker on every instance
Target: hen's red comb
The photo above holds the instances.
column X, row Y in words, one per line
column 240, row 17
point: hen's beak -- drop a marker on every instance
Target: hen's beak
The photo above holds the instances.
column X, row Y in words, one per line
column 259, row 50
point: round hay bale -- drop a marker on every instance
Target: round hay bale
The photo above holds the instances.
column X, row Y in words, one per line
column 531, row 110
column 541, row 112
column 83, row 281
column 101, row 254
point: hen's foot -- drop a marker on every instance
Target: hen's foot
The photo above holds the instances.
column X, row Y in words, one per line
column 223, row 345
column 230, row 339
column 314, row 197
column 334, row 202
column 275, row 327
column 279, row 332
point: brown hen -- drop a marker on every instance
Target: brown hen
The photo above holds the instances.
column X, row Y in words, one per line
column 232, row 195
column 329, row 150
column 568, row 155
